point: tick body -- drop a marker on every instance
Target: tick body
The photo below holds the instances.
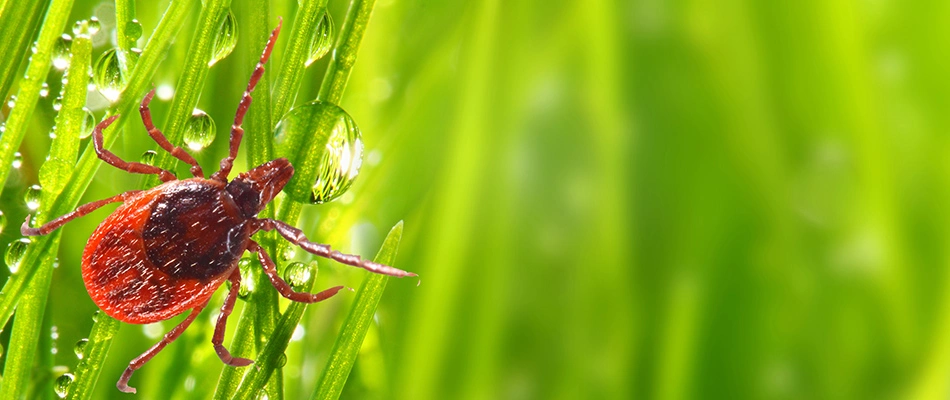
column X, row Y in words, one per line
column 166, row 250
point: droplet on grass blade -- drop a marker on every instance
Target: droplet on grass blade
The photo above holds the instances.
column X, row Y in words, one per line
column 81, row 348
column 32, row 197
column 107, row 75
column 226, row 39
column 199, row 133
column 148, row 157
column 62, row 385
column 61, row 52
column 322, row 39
column 14, row 255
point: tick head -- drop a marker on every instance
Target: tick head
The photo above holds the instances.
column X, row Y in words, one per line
column 253, row 189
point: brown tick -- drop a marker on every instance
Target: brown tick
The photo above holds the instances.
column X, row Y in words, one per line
column 167, row 249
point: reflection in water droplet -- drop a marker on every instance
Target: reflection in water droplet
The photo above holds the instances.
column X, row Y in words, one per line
column 322, row 40
column 80, row 348
column 15, row 252
column 17, row 160
column 339, row 163
column 226, row 40
column 61, row 52
column 107, row 75
column 148, row 157
column 133, row 29
column 32, row 197
column 88, row 123
column 199, row 133
column 298, row 274
column 62, row 385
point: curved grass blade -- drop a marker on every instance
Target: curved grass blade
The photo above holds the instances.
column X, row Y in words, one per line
column 357, row 323
column 94, row 355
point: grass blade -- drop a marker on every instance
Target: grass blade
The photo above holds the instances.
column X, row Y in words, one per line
column 18, row 21
column 357, row 323
column 93, row 356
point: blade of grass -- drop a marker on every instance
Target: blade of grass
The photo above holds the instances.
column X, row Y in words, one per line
column 345, row 51
column 350, row 339
column 298, row 47
column 154, row 52
column 124, row 15
column 29, row 91
column 18, row 21
column 54, row 175
column 93, row 356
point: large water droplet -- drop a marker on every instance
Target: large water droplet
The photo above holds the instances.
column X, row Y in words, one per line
column 226, row 40
column 15, row 252
column 298, row 274
column 323, row 174
column 61, row 52
column 107, row 75
column 199, row 133
column 62, row 385
column 133, row 29
column 3, row 221
column 81, row 348
column 322, row 39
column 88, row 123
column 148, row 157
column 32, row 197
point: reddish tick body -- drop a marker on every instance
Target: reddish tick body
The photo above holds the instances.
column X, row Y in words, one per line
column 167, row 249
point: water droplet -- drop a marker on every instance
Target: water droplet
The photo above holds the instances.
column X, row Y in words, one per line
column 15, row 253
column 282, row 360
column 148, row 157
column 12, row 101
column 62, row 385
column 81, row 347
column 94, row 26
column 199, row 133
column 88, row 123
column 226, row 40
column 58, row 103
column 17, row 160
column 32, row 197
column 339, row 162
column 322, row 39
column 164, row 91
column 3, row 221
column 133, row 29
column 247, row 278
column 107, row 74
column 298, row 274
column 95, row 316
column 286, row 252
column 61, row 52
column 44, row 90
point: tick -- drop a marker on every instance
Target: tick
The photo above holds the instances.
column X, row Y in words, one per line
column 167, row 249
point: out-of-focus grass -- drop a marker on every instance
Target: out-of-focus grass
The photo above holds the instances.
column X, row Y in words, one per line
column 604, row 199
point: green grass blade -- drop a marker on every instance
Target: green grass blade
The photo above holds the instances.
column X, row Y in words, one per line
column 18, row 21
column 124, row 15
column 345, row 51
column 357, row 323
column 298, row 47
column 93, row 356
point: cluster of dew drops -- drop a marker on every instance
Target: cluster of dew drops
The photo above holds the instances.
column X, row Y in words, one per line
column 339, row 165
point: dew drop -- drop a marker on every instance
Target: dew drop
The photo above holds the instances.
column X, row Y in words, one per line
column 199, row 133
column 60, row 54
column 133, row 29
column 339, row 163
column 226, row 40
column 298, row 274
column 247, row 278
column 282, row 360
column 62, row 385
column 12, row 101
column 17, row 160
column 95, row 316
column 80, row 348
column 107, row 74
column 148, row 157
column 88, row 123
column 58, row 103
column 15, row 252
column 32, row 197
column 44, row 90
column 322, row 40
column 94, row 26
column 3, row 221
column 286, row 253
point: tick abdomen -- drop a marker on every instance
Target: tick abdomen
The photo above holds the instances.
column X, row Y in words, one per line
column 187, row 235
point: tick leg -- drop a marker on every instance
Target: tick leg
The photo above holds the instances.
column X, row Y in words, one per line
column 296, row 236
column 84, row 209
column 218, row 339
column 282, row 287
column 237, row 133
column 115, row 161
column 139, row 361
column 159, row 137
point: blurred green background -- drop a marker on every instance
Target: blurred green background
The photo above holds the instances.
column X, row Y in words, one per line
column 604, row 199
